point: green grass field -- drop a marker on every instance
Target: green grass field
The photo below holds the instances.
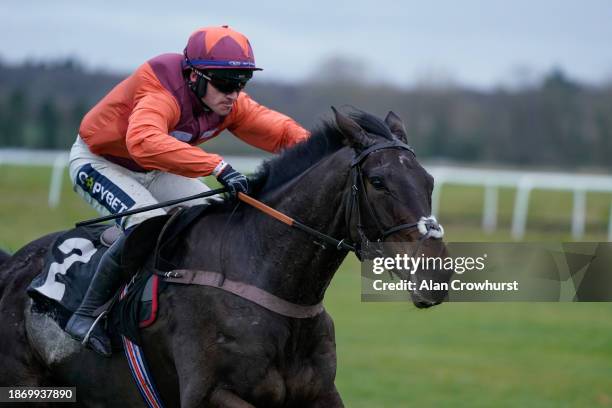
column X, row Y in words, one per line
column 393, row 355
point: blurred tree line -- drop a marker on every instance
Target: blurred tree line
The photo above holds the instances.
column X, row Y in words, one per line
column 556, row 122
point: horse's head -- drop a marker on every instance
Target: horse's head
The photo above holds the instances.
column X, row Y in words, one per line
column 390, row 198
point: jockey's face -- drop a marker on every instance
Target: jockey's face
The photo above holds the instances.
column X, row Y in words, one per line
column 219, row 102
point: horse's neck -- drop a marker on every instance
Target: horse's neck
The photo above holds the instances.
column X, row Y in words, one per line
column 303, row 267
column 260, row 250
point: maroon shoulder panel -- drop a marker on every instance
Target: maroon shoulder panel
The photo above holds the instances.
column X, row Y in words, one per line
column 194, row 123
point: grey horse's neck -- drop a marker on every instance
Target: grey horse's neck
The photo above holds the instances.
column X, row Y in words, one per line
column 257, row 249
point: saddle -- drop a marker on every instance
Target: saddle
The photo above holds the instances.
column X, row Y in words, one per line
column 72, row 259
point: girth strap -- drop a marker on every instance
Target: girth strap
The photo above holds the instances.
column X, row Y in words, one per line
column 243, row 290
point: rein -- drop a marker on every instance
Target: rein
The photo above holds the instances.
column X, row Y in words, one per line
column 428, row 227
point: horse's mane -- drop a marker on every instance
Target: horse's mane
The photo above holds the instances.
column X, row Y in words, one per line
column 326, row 139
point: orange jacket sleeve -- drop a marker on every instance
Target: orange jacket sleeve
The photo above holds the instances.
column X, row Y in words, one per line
column 263, row 127
column 150, row 145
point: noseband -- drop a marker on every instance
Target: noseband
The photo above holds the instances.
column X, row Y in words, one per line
column 428, row 227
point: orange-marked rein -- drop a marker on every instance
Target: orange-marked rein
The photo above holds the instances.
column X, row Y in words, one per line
column 320, row 237
column 268, row 210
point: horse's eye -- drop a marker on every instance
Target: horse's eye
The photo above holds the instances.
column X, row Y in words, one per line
column 377, row 183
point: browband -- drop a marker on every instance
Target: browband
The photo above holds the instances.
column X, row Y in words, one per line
column 392, row 144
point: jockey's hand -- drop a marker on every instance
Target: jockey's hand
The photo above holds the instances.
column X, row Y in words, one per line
column 233, row 180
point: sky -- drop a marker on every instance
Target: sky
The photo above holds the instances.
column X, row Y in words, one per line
column 480, row 43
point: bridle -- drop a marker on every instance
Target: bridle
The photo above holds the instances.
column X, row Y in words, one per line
column 428, row 227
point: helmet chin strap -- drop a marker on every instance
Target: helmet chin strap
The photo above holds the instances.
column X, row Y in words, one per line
column 199, row 87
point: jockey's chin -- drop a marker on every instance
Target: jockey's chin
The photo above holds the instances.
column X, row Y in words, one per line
column 223, row 110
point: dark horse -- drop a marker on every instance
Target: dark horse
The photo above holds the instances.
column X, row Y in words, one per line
column 214, row 349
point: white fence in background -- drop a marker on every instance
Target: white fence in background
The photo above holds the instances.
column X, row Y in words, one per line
column 523, row 181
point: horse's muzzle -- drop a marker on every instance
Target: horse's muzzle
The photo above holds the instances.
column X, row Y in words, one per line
column 421, row 302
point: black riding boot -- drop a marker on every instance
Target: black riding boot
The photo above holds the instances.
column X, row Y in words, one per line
column 103, row 285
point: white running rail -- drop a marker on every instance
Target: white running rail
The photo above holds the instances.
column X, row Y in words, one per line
column 490, row 179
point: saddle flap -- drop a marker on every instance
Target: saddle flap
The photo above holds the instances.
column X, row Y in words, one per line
column 140, row 244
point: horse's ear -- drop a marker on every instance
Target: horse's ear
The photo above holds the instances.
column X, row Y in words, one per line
column 397, row 126
column 354, row 135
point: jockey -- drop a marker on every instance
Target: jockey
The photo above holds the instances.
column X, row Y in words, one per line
column 137, row 146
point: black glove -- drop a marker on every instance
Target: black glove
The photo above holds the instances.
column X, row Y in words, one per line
column 233, row 180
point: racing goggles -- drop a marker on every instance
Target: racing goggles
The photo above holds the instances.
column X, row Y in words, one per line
column 227, row 83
